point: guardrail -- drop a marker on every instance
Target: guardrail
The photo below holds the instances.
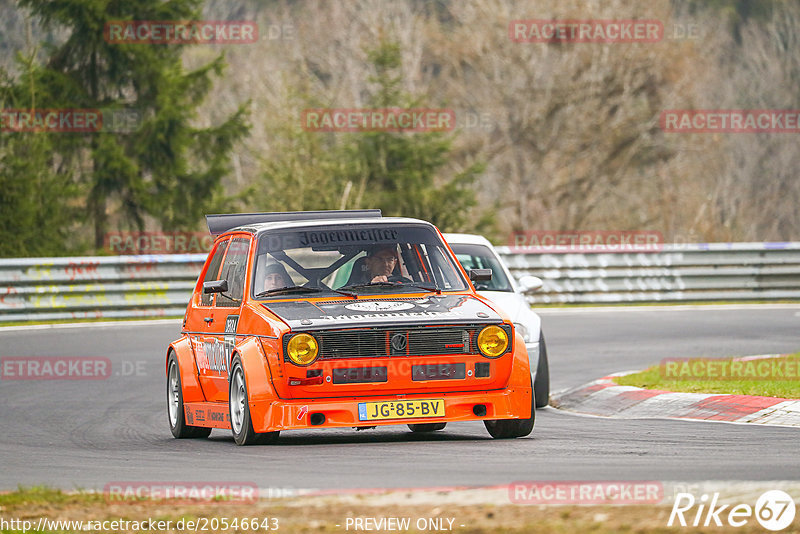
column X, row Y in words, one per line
column 682, row 272
column 50, row 289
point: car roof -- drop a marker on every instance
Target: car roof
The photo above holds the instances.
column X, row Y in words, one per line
column 467, row 239
column 259, row 228
column 475, row 239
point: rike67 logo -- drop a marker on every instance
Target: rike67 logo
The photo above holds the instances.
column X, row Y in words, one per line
column 774, row 510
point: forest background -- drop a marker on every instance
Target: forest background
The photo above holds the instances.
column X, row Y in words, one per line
column 549, row 136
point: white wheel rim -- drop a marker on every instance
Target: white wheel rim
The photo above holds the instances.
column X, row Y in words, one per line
column 173, row 394
column 237, row 400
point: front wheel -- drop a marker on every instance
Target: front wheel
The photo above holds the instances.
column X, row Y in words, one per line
column 512, row 428
column 427, row 427
column 241, row 423
column 175, row 411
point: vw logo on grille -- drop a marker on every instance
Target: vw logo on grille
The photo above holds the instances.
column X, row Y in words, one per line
column 399, row 342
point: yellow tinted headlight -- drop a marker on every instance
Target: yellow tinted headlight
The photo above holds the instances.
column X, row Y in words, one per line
column 492, row 341
column 302, row 349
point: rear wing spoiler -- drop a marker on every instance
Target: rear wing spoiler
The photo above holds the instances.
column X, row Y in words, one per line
column 221, row 223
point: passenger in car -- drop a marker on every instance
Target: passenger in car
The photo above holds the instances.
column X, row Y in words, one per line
column 276, row 277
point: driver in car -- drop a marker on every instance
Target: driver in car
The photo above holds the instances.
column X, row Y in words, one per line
column 381, row 262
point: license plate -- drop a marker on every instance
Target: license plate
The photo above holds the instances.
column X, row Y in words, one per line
column 410, row 409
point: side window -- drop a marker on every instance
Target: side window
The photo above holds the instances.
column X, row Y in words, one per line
column 233, row 270
column 213, row 272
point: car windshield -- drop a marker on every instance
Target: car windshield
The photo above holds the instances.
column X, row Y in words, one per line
column 353, row 259
column 481, row 257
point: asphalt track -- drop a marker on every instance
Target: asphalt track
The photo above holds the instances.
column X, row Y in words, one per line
column 86, row 434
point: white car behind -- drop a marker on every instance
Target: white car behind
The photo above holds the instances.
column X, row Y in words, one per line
column 476, row 252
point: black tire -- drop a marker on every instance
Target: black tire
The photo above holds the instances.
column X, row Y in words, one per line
column 542, row 383
column 427, row 427
column 512, row 428
column 239, row 407
column 176, row 414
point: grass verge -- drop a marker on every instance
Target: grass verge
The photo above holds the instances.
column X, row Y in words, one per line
column 733, row 376
column 307, row 515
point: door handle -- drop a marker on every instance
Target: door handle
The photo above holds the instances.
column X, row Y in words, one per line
column 208, row 320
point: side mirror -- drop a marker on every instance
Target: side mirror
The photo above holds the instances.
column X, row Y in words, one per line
column 216, row 286
column 480, row 275
column 530, row 283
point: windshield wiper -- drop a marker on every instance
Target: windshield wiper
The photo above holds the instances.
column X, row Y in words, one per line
column 345, row 293
column 433, row 288
column 394, row 285
column 301, row 289
column 372, row 284
column 288, row 289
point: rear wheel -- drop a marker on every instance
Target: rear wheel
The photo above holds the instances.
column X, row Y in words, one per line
column 512, row 428
column 427, row 427
column 542, row 383
column 241, row 423
column 175, row 410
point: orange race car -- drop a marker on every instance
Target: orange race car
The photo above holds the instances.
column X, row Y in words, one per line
column 341, row 319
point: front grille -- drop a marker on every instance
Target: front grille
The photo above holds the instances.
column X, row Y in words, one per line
column 383, row 342
column 440, row 341
column 351, row 344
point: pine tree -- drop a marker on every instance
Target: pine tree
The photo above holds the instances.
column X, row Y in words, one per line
column 38, row 212
column 398, row 172
column 163, row 167
column 401, row 172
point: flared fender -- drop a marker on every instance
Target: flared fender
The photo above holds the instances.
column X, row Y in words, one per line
column 192, row 392
column 256, row 375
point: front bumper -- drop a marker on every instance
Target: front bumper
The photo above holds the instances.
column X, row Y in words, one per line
column 269, row 416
